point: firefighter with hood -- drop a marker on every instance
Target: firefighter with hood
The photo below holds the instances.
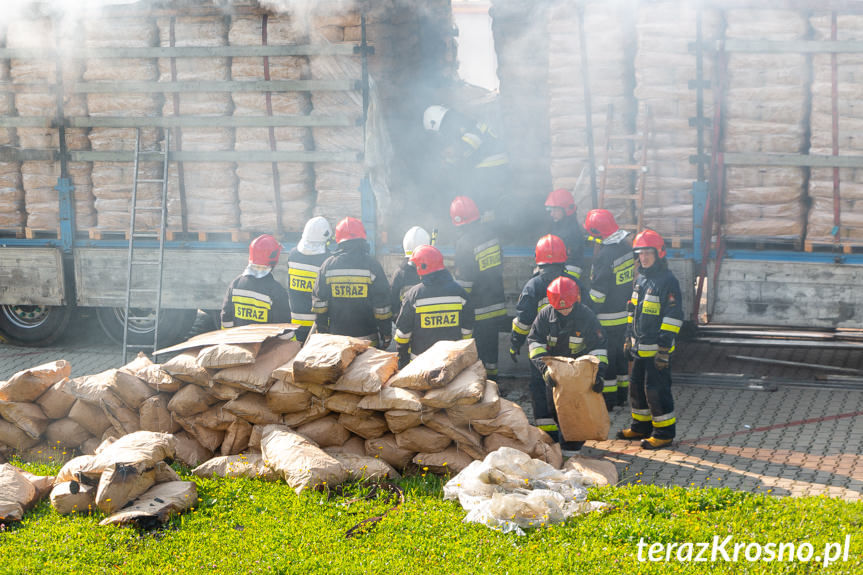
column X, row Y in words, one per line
column 550, row 257
column 406, row 276
column 565, row 224
column 654, row 320
column 304, row 262
column 475, row 160
column 479, row 270
column 565, row 328
column 436, row 309
column 255, row 296
column 611, row 276
column 352, row 294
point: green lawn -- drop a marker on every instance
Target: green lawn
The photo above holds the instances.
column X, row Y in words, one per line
column 250, row 526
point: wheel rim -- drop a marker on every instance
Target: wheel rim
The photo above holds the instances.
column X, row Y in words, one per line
column 26, row 316
column 138, row 326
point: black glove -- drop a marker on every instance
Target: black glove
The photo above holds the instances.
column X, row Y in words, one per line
column 404, row 356
column 513, row 353
column 627, row 347
column 385, row 341
column 662, row 357
column 549, row 381
column 598, row 384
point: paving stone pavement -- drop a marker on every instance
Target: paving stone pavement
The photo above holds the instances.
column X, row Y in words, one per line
column 794, row 441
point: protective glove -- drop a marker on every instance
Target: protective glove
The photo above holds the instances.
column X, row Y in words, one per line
column 598, row 384
column 513, row 353
column 549, row 381
column 404, row 356
column 660, row 360
column 627, row 347
column 385, row 341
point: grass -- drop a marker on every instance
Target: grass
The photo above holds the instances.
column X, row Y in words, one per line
column 250, row 526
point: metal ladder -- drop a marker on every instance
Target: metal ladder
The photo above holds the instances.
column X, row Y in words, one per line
column 640, row 168
column 136, row 234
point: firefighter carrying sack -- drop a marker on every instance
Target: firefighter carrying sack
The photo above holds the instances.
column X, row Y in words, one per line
column 581, row 413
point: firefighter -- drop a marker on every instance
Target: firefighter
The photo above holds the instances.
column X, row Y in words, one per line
column 406, row 276
column 436, row 309
column 255, row 296
column 352, row 294
column 474, row 159
column 654, row 320
column 479, row 270
column 566, row 225
column 304, row 262
column 565, row 328
column 611, row 276
column 550, row 257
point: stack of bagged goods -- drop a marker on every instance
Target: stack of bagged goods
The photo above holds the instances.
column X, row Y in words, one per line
column 11, row 193
column 337, row 184
column 820, row 226
column 609, row 33
column 38, row 178
column 664, row 68
column 20, row 491
column 256, row 190
column 112, row 181
column 766, row 106
column 208, row 188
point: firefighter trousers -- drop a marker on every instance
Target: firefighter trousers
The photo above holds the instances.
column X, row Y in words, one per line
column 485, row 333
column 650, row 396
column 616, row 388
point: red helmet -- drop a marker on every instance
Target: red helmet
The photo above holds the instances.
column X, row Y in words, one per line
column 561, row 198
column 350, row 229
column 463, row 211
column 427, row 259
column 649, row 239
column 600, row 223
column 264, row 250
column 563, row 293
column 550, row 250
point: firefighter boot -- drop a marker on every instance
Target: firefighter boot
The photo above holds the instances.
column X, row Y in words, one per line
column 631, row 435
column 655, row 443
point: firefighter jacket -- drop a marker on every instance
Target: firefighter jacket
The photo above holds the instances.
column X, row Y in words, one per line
column 611, row 278
column 404, row 279
column 655, row 316
column 479, row 270
column 573, row 335
column 570, row 230
column 437, row 309
column 352, row 295
column 531, row 301
column 473, row 143
column 303, row 273
column 252, row 300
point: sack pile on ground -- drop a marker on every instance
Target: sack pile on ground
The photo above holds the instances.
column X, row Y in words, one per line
column 332, row 410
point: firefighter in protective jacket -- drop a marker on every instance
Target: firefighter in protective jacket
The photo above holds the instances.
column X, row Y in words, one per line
column 434, row 310
column 255, row 296
column 566, row 225
column 304, row 263
column 611, row 276
column 352, row 294
column 565, row 328
column 479, row 270
column 655, row 319
column 406, row 276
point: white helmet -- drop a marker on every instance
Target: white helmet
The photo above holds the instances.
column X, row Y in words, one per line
column 316, row 234
column 414, row 238
column 433, row 117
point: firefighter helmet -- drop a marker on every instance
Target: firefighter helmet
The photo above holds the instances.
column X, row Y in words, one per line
column 550, row 250
column 415, row 237
column 600, row 223
column 648, row 239
column 433, row 117
column 316, row 233
column 350, row 229
column 563, row 293
column 463, row 211
column 427, row 259
column 562, row 199
column 264, row 251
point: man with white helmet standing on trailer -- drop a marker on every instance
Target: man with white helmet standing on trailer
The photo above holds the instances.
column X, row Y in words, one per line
column 352, row 294
column 304, row 262
column 655, row 319
column 255, row 296
column 406, row 276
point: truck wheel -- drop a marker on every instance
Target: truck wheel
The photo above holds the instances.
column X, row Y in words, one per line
column 174, row 324
column 34, row 325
